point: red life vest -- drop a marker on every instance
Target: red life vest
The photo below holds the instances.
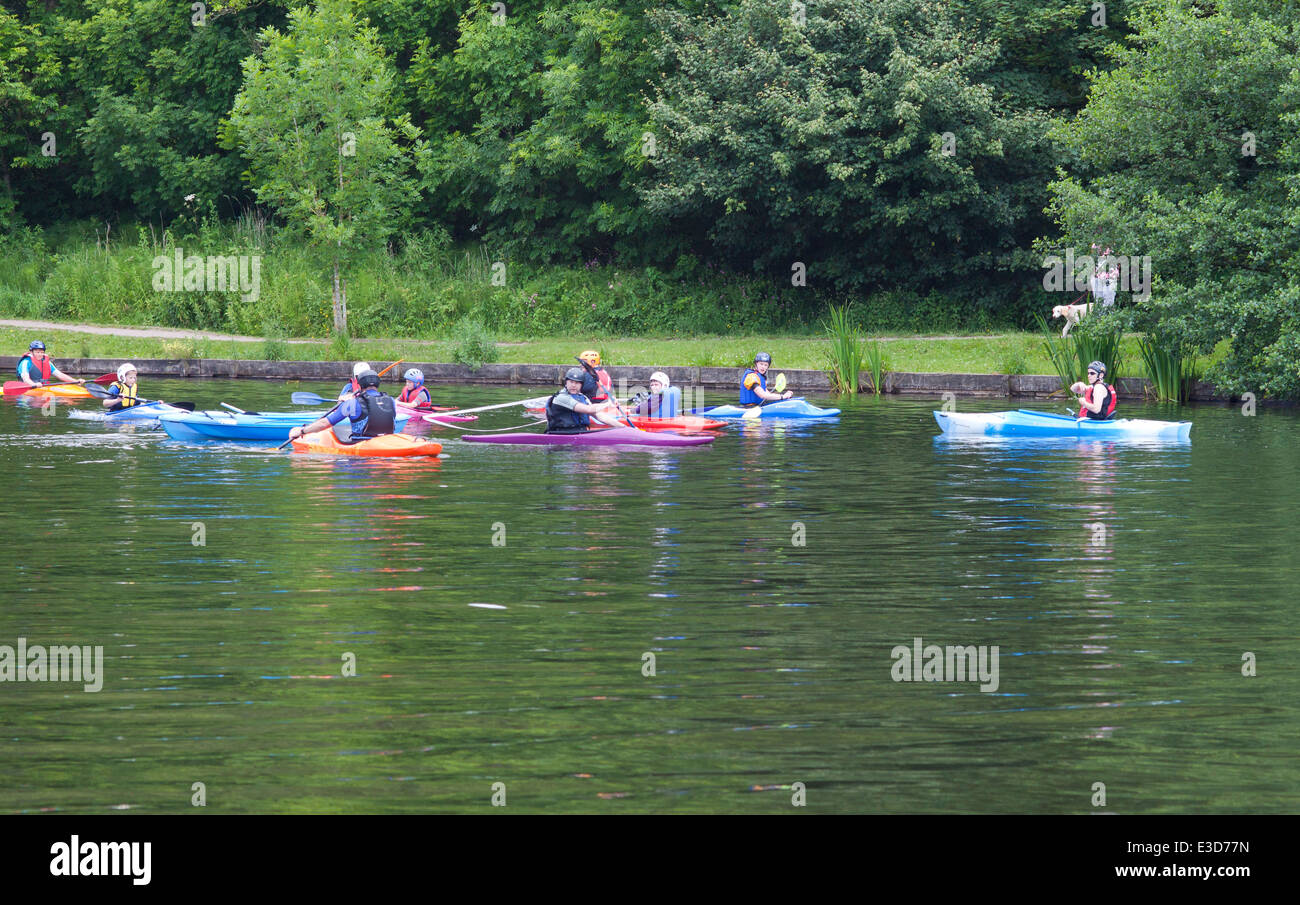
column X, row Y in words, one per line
column 411, row 397
column 1112, row 399
column 43, row 366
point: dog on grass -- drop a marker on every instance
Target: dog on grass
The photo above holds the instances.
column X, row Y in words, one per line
column 1072, row 314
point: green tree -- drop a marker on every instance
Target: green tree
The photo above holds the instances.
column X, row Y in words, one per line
column 1188, row 151
column 326, row 148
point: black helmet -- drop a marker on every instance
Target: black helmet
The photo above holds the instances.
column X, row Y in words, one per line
column 577, row 374
column 367, row 379
column 763, row 356
column 1098, row 367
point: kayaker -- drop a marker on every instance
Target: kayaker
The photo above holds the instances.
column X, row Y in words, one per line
column 37, row 368
column 372, row 413
column 753, row 385
column 1099, row 399
column 663, row 400
column 352, row 388
column 570, row 411
column 122, row 392
column 415, row 392
column 596, row 383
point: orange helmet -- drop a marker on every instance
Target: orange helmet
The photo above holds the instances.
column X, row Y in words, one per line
column 591, row 357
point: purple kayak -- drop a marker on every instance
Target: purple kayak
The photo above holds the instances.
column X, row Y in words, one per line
column 614, row 436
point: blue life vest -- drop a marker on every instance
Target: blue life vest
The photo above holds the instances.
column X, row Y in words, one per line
column 748, row 396
column 560, row 420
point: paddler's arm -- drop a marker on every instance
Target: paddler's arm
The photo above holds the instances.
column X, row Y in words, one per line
column 64, row 377
column 341, row 411
column 604, row 412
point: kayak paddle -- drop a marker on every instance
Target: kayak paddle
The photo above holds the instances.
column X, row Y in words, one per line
column 99, row 393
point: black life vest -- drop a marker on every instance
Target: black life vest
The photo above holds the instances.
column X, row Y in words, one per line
column 560, row 420
column 379, row 414
column 1112, row 399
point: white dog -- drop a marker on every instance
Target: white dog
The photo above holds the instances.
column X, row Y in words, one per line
column 1072, row 314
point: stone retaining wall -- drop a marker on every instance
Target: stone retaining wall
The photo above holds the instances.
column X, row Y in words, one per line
column 801, row 381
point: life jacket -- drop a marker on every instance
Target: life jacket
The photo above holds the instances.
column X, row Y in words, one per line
column 414, row 397
column 748, row 396
column 560, row 420
column 596, row 386
column 350, row 387
column 378, row 415
column 1112, row 399
column 125, row 394
column 42, row 367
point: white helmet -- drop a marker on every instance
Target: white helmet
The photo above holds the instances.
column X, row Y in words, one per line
column 661, row 377
column 125, row 369
column 361, row 367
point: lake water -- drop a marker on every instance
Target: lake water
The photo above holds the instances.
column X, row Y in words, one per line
column 500, row 603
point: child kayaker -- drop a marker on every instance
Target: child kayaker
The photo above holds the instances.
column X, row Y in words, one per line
column 1099, row 399
column 36, row 368
column 753, row 384
column 415, row 392
column 352, row 388
column 122, row 392
column 664, row 400
column 596, row 383
column 570, row 411
column 371, row 412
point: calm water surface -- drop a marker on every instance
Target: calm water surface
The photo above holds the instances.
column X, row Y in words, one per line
column 1122, row 586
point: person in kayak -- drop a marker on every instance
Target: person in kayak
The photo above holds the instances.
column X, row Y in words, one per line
column 122, row 392
column 37, row 368
column 596, row 383
column 372, row 413
column 352, row 387
column 415, row 392
column 1099, row 399
column 663, row 401
column 570, row 411
column 753, row 384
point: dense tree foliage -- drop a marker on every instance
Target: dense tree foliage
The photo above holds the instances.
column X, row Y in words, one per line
column 902, row 150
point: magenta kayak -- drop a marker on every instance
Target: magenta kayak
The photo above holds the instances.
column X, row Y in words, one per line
column 614, row 436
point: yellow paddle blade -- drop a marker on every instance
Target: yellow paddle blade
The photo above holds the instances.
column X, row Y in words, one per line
column 779, row 384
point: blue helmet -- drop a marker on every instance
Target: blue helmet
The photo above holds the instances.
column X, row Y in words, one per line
column 36, row 344
column 415, row 375
column 763, row 356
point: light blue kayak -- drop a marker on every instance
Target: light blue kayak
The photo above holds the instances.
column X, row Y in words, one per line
column 262, row 426
column 797, row 407
column 149, row 411
column 1028, row 423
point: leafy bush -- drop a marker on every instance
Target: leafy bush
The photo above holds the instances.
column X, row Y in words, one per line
column 475, row 344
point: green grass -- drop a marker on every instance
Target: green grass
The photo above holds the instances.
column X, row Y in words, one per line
column 960, row 354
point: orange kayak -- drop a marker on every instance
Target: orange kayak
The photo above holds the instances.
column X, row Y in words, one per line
column 74, row 390
column 388, row 445
column 650, row 423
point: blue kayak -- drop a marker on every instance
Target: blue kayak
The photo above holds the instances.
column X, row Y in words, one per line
column 149, row 411
column 1028, row 423
column 268, row 426
column 797, row 407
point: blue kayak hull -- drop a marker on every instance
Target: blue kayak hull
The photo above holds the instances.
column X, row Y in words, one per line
column 786, row 408
column 269, row 426
column 1027, row 423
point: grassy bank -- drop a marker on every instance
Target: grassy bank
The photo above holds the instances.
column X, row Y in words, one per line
column 982, row 354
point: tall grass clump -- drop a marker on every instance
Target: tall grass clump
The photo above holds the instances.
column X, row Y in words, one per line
column 846, row 352
column 1172, row 374
column 1099, row 340
column 475, row 344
